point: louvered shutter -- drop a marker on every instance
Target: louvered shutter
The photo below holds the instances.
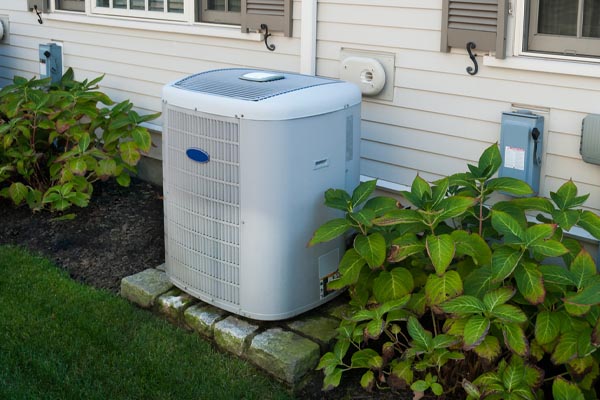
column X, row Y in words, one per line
column 480, row 21
column 276, row 14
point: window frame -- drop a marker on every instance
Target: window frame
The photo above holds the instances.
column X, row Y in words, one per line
column 565, row 46
column 71, row 5
column 203, row 14
column 164, row 15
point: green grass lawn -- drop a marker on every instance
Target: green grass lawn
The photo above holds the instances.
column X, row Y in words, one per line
column 63, row 340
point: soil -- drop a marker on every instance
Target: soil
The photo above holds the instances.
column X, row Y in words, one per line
column 119, row 234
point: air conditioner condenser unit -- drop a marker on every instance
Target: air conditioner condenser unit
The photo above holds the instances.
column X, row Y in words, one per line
column 247, row 156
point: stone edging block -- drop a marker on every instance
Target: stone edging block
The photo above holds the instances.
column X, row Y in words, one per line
column 144, row 287
column 232, row 334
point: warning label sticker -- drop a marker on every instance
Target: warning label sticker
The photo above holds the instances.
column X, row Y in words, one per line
column 514, row 157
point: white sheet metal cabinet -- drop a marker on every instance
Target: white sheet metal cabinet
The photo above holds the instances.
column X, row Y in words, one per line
column 245, row 165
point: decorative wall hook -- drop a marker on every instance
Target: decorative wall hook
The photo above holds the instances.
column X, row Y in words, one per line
column 265, row 28
column 471, row 70
column 39, row 14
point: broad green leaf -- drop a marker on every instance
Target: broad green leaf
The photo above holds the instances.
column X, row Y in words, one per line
column 547, row 327
column 590, row 222
column 479, row 282
column 441, row 252
column 374, row 328
column 548, row 248
column 538, row 232
column 17, row 192
column 476, row 329
column 332, row 380
column 371, row 248
column 328, row 362
column 84, row 142
column 558, row 275
column 106, row 168
column 530, row 283
column 471, row 389
column 582, row 268
column 403, row 216
column 576, row 310
column 405, row 246
column 367, row 381
column 442, row 341
column 508, row 226
column 420, row 188
column 564, row 195
column 589, row 296
column 439, row 289
column 513, row 186
column 472, row 245
column 566, row 348
column 142, row 138
column 367, row 358
column 509, row 313
column 566, row 219
column 417, row 304
column 515, row 339
column 439, row 191
column 124, row 179
column 419, row 386
column 329, row 231
column 494, row 298
column 437, row 389
column 565, row 390
column 455, row 327
column 392, row 285
column 490, row 160
column 514, row 374
column 504, row 262
column 350, row 267
column 363, row 217
column 584, row 343
column 362, row 192
column 463, row 305
column 129, row 153
column 489, row 348
column 402, row 372
column 455, row 206
column 78, row 166
column 420, row 336
column 534, row 203
column 380, row 205
column 338, row 199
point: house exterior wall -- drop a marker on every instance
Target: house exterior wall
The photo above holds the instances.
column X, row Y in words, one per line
column 440, row 117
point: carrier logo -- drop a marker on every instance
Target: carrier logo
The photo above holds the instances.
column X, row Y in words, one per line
column 198, row 155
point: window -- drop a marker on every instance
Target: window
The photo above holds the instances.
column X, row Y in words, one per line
column 221, row 11
column 71, row 5
column 163, row 9
column 566, row 27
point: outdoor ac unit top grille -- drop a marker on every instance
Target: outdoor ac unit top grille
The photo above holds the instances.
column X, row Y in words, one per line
column 226, row 83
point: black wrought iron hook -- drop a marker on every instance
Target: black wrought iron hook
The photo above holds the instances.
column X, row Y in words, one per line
column 39, row 14
column 265, row 28
column 471, row 70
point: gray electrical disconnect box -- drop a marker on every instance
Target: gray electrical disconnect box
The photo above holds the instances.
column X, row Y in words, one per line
column 521, row 146
column 41, row 5
column 589, row 147
column 51, row 61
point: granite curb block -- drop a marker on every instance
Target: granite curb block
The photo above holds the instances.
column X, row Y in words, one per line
column 174, row 303
column 233, row 334
column 145, row 287
column 203, row 317
column 317, row 328
column 284, row 354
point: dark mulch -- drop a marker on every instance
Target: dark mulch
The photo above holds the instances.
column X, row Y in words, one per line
column 119, row 234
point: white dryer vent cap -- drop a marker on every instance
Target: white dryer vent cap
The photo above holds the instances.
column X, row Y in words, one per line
column 367, row 73
column 262, row 76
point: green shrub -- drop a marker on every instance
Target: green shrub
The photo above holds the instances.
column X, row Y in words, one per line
column 55, row 141
column 453, row 296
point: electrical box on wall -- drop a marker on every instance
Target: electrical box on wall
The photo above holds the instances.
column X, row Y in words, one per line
column 589, row 147
column 51, row 61
column 521, row 146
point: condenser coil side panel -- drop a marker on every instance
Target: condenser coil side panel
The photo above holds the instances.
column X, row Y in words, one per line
column 202, row 205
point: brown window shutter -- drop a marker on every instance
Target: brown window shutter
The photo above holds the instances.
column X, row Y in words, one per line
column 276, row 14
column 482, row 22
